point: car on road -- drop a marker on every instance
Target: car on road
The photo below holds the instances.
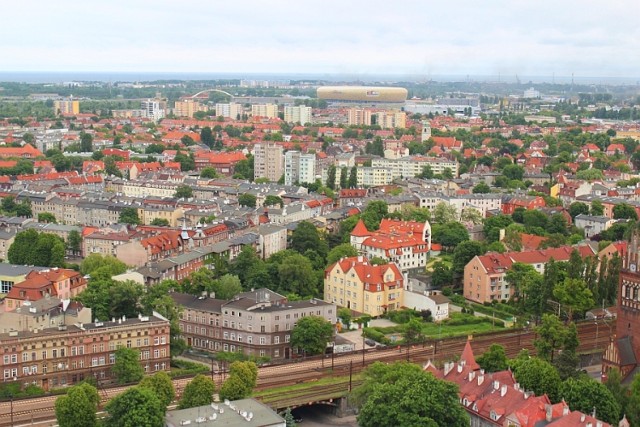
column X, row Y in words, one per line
column 369, row 342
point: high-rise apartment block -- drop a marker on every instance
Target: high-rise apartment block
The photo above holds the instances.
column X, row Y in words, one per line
column 268, row 161
column 230, row 110
column 265, row 110
column 299, row 168
column 386, row 119
column 66, row 106
column 151, row 109
column 299, row 114
column 187, row 108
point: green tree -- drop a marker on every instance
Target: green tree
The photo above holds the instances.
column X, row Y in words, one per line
column 441, row 274
column 160, row 222
column 198, row 392
column 374, row 213
column 533, row 218
column 209, row 172
column 127, row 368
column 227, row 287
column 586, row 395
column 129, row 216
column 481, row 188
column 597, row 208
column 513, row 172
column 494, row 359
column 86, row 142
column 445, row 213
column 618, row 390
column 450, row 235
column 296, row 275
column 465, row 252
column 344, row 250
column 538, row 376
column 78, row 407
column 32, row 248
column 551, row 337
column 574, row 296
column 344, row 314
column 271, row 200
column 331, row 177
column 311, row 335
column 8, row 204
column 400, row 395
column 206, row 136
column 246, row 262
column 493, row 225
column 344, row 177
column 183, row 192
column 136, row 407
column 242, row 380
column 624, row 211
column 247, row 200
column 96, row 261
column 47, row 217
column 306, row 237
column 413, row 331
column 353, row 177
column 578, row 208
column 74, row 242
column 162, row 385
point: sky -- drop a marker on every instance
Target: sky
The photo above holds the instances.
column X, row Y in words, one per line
column 354, row 37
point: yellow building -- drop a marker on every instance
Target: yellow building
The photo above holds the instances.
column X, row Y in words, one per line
column 265, row 110
column 187, row 108
column 67, row 106
column 356, row 284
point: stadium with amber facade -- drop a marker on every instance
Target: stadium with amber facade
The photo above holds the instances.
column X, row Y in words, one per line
column 363, row 94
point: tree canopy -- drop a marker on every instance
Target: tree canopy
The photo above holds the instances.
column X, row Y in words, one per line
column 32, row 248
column 198, row 392
column 311, row 334
column 401, row 394
column 136, row 407
column 127, row 368
column 78, row 407
column 162, row 385
column 129, row 216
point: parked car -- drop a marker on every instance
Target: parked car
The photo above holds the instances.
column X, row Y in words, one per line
column 369, row 342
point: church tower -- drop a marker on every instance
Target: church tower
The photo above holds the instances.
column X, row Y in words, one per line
column 624, row 350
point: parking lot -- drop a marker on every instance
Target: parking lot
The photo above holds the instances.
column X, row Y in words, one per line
column 355, row 336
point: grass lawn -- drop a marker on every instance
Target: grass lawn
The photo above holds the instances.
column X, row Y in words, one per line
column 446, row 259
column 274, row 394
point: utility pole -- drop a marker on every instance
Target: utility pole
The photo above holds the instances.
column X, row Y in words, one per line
column 350, row 377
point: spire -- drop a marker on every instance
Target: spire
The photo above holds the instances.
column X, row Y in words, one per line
column 468, row 357
column 360, row 230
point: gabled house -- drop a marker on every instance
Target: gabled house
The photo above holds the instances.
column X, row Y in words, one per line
column 55, row 282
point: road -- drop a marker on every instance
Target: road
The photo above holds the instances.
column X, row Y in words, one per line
column 42, row 408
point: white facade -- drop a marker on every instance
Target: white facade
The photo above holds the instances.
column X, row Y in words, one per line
column 299, row 168
column 426, row 131
column 593, row 225
column 265, row 110
column 151, row 110
column 230, row 110
column 299, row 114
column 436, row 304
column 409, row 167
column 372, row 176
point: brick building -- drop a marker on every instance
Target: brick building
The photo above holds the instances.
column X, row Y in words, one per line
column 65, row 355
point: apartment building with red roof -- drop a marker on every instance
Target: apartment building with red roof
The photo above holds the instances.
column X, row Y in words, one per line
column 223, row 162
column 27, row 151
column 405, row 243
column 358, row 285
column 56, row 282
column 496, row 399
column 484, row 276
column 510, row 204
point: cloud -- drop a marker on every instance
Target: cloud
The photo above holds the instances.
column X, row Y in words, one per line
column 357, row 36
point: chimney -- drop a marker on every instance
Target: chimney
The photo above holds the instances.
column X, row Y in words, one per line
column 503, row 390
column 548, row 412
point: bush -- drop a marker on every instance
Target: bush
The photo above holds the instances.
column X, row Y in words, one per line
column 402, row 316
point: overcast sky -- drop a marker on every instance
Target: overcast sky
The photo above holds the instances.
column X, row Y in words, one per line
column 423, row 37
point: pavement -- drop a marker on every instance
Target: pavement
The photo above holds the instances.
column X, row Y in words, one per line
column 355, row 336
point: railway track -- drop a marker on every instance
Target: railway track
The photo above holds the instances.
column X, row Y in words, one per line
column 592, row 338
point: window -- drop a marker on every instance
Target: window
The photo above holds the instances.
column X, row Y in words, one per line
column 276, row 340
column 287, row 338
column 263, row 340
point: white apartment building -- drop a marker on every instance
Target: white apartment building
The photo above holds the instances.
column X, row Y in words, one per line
column 374, row 176
column 299, row 168
column 265, row 110
column 408, row 167
column 268, row 161
column 151, row 109
column 359, row 117
column 299, row 114
column 230, row 110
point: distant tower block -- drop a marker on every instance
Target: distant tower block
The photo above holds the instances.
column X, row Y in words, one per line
column 426, row 131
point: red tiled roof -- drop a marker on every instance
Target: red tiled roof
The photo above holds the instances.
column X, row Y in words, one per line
column 360, row 230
